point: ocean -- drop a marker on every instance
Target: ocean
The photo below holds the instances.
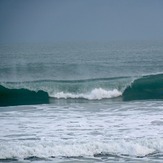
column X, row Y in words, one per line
column 81, row 102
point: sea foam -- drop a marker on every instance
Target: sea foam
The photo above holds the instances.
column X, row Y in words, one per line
column 91, row 149
column 95, row 94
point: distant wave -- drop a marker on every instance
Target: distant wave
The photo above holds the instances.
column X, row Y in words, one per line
column 39, row 92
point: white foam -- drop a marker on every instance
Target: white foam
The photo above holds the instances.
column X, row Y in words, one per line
column 95, row 94
column 49, row 149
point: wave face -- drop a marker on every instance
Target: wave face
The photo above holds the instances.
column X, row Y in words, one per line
column 10, row 97
column 147, row 87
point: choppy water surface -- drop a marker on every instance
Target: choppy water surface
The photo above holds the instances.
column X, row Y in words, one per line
column 87, row 117
column 71, row 131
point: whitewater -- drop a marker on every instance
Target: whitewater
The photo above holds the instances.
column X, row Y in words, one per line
column 82, row 102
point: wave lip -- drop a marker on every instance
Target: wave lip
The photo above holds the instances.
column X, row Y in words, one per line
column 146, row 87
column 11, row 97
column 95, row 94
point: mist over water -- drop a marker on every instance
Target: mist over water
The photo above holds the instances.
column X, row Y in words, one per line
column 92, row 20
column 76, row 61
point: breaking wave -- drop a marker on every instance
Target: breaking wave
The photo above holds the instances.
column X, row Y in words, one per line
column 24, row 150
column 89, row 89
column 39, row 92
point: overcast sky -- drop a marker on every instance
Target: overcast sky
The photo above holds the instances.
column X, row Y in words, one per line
column 80, row 20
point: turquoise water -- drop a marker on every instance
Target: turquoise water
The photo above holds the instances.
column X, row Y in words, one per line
column 81, row 102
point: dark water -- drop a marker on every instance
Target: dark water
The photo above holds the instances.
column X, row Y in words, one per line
column 81, row 102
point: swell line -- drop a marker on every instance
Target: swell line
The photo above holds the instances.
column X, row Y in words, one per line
column 69, row 81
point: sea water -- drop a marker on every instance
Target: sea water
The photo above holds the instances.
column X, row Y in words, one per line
column 99, row 106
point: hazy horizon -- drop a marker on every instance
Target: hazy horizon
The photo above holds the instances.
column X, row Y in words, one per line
column 80, row 20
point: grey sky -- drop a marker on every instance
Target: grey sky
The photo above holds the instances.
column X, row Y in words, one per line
column 80, row 20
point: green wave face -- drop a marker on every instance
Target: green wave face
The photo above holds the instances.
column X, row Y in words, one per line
column 11, row 97
column 147, row 87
